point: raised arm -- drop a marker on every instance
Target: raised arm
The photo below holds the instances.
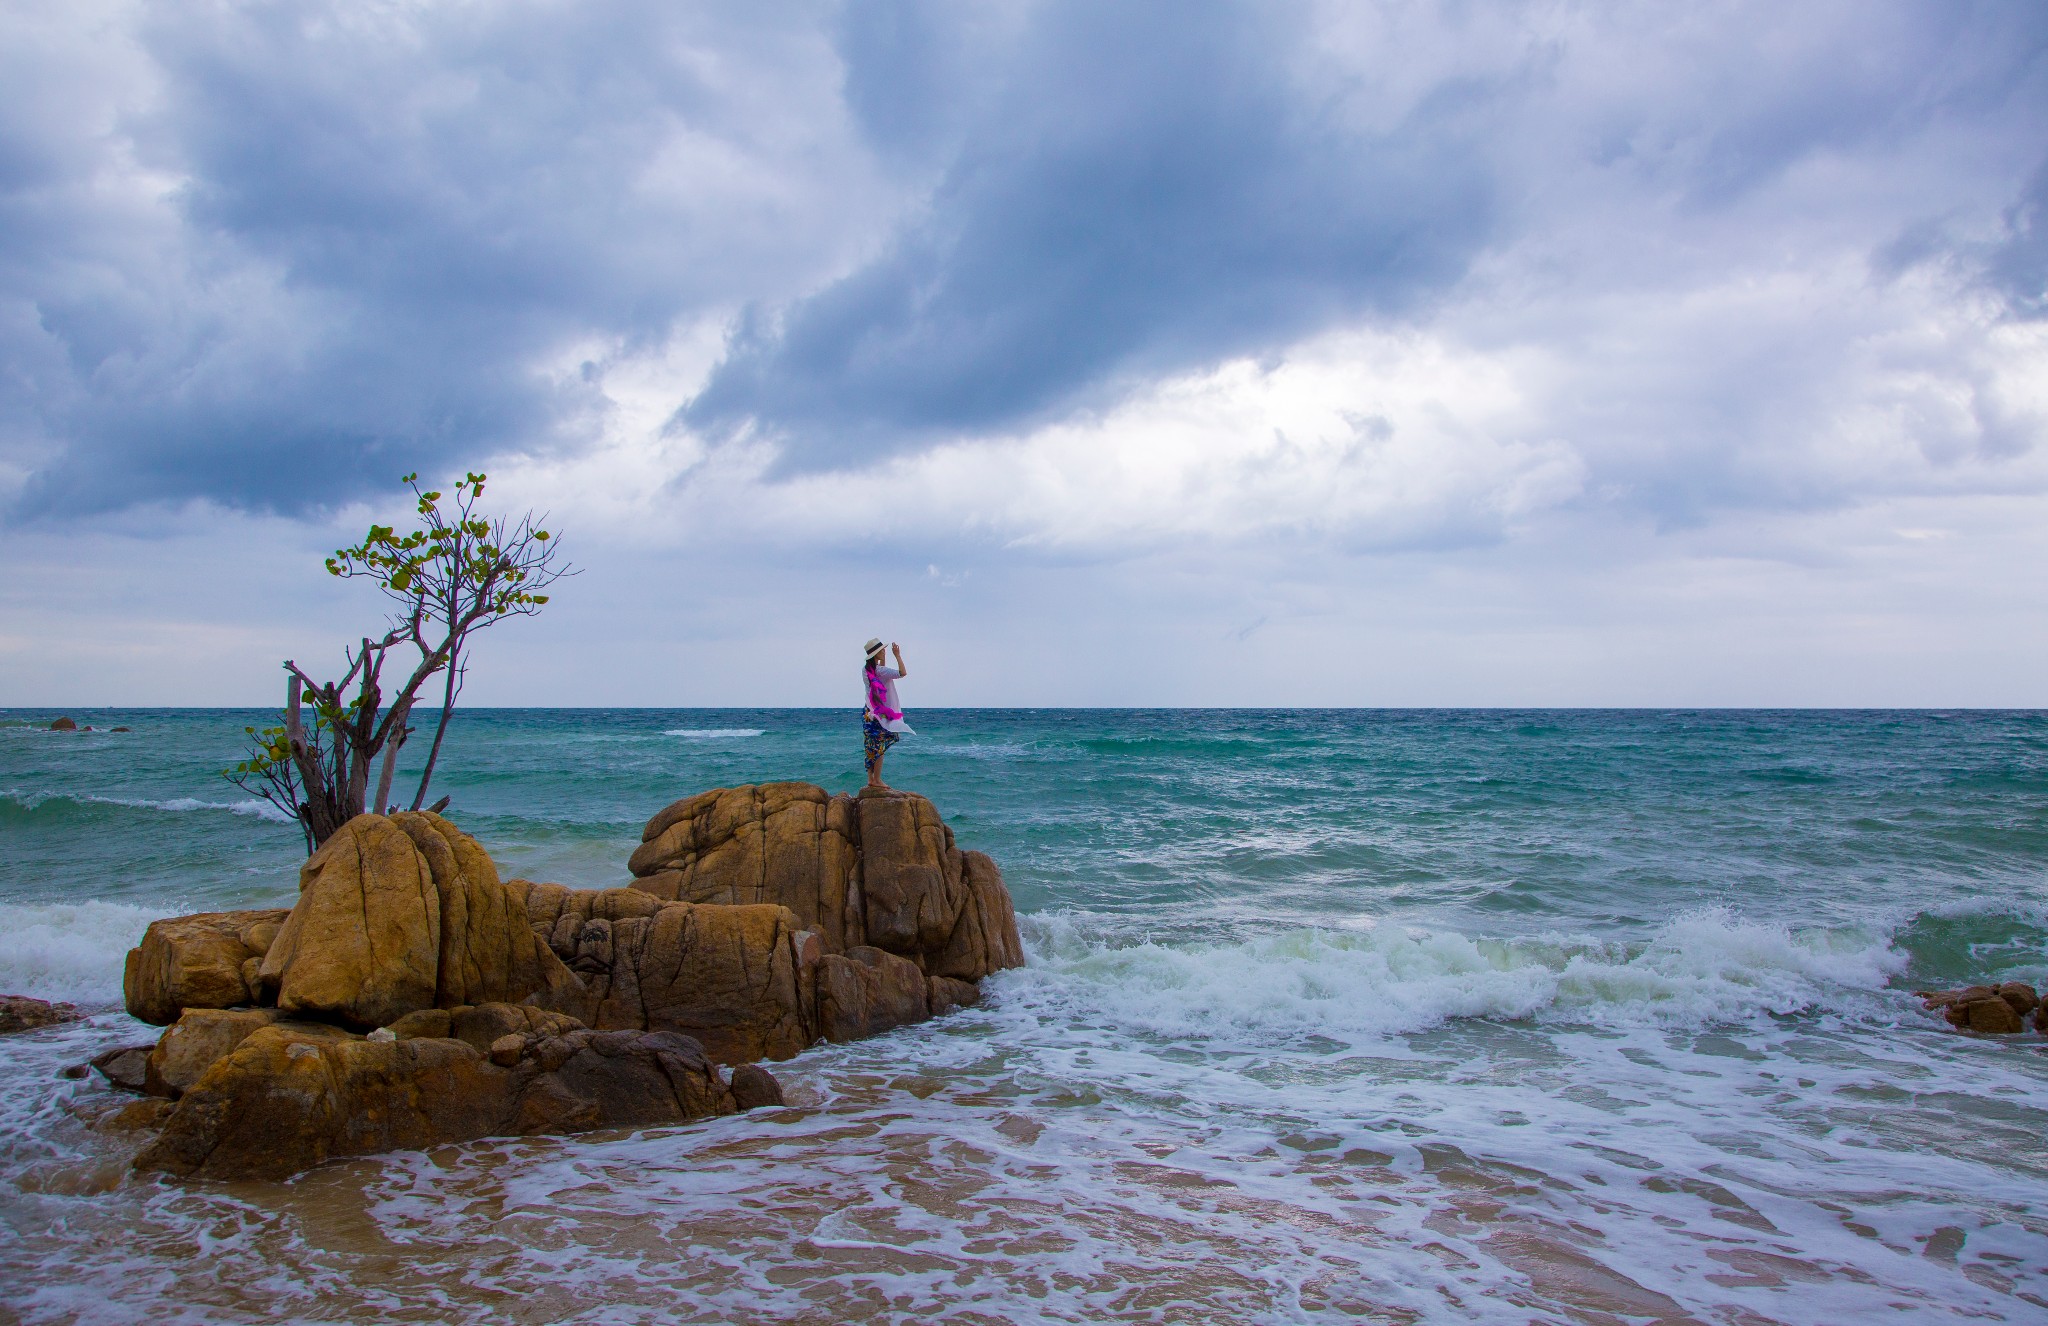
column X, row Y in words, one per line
column 897, row 650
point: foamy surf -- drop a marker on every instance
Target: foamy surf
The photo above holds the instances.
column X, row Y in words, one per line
column 1697, row 970
column 262, row 810
column 69, row 951
column 713, row 733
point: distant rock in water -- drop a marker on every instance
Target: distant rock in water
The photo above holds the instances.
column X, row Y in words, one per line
column 64, row 725
column 20, row 1013
column 760, row 921
column 1991, row 1009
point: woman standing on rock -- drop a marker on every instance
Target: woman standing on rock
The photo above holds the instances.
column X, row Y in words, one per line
column 882, row 724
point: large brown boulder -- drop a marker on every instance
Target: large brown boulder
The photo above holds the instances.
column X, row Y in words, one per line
column 202, row 961
column 722, row 974
column 789, row 844
column 764, row 918
column 363, row 945
column 489, row 951
column 866, row 991
column 984, row 938
column 911, row 878
column 292, row 1096
column 402, row 913
column 196, row 1042
column 880, row 868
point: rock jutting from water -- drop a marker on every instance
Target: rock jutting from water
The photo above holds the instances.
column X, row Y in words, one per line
column 21, row 1013
column 412, row 997
column 1990, row 1009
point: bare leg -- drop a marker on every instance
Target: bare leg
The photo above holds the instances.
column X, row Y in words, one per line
column 875, row 774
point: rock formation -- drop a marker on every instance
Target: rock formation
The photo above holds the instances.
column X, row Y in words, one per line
column 291, row 1095
column 412, row 996
column 763, row 919
column 21, row 1013
column 1991, row 1009
column 210, row 960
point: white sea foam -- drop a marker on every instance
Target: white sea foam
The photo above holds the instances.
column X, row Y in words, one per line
column 712, row 733
column 262, row 810
column 69, row 951
column 1701, row 968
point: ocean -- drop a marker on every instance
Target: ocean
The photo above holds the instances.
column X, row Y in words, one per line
column 1347, row 1015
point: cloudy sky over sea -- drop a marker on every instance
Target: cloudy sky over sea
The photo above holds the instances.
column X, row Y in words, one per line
column 1397, row 353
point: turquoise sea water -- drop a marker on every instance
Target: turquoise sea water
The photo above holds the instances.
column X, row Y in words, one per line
column 1330, row 1015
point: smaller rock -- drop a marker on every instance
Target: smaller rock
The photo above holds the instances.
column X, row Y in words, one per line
column 134, row 1117
column 20, row 1013
column 196, row 962
column 73, row 1072
column 428, row 1022
column 507, row 1049
column 946, row 994
column 64, row 725
column 196, row 1042
column 382, row 1035
column 126, row 1067
column 554, row 1051
column 120, row 729
column 1993, row 1016
column 1993, row 1010
column 2021, row 996
column 754, row 1086
column 482, row 1026
column 867, row 991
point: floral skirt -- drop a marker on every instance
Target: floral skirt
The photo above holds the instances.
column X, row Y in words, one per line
column 875, row 739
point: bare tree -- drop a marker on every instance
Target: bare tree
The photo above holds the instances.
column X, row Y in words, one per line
column 457, row 573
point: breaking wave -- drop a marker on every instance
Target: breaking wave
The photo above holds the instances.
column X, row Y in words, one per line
column 34, row 801
column 1702, row 968
column 712, row 733
column 69, row 951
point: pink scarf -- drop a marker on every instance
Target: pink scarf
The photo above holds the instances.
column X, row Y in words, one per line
column 878, row 699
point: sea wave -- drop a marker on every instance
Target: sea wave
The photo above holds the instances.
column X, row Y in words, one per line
column 712, row 733
column 1705, row 967
column 69, row 951
column 263, row 810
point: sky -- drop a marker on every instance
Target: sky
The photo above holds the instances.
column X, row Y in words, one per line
column 1101, row 353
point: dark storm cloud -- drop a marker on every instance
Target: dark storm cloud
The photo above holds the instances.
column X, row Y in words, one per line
column 381, row 224
column 274, row 254
column 1143, row 188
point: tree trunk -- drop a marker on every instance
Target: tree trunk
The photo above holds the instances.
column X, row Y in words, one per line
column 449, row 692
column 381, row 804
